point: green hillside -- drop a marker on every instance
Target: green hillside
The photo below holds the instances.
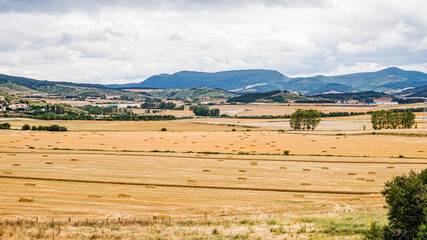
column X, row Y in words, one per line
column 191, row 93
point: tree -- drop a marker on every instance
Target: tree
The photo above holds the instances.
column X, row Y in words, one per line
column 406, row 198
column 26, row 127
column 305, row 119
column 205, row 111
column 392, row 120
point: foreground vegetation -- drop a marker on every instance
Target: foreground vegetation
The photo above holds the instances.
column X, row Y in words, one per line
column 354, row 225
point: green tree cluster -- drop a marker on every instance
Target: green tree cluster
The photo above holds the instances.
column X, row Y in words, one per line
column 5, row 126
column 406, row 198
column 305, row 119
column 52, row 128
column 205, row 111
column 391, row 120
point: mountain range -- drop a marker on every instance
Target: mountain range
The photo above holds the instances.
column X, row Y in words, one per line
column 389, row 80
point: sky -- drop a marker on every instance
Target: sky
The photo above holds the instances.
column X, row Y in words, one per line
column 120, row 41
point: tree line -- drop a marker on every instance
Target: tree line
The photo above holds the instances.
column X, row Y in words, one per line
column 205, row 111
column 390, row 119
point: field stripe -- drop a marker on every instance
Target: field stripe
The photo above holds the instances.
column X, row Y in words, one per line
column 216, row 158
column 196, row 186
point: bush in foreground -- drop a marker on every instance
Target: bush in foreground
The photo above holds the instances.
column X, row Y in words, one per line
column 406, row 198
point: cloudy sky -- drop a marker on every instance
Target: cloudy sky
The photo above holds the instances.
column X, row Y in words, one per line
column 118, row 41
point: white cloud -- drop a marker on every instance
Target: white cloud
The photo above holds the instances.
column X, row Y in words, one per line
column 120, row 41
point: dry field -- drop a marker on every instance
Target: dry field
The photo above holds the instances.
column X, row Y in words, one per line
column 252, row 142
column 133, row 171
column 257, row 109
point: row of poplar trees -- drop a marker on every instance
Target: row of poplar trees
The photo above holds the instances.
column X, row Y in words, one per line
column 392, row 120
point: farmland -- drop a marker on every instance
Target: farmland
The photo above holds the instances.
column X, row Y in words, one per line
column 211, row 176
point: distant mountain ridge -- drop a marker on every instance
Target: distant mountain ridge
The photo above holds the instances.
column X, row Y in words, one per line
column 388, row 80
column 235, row 81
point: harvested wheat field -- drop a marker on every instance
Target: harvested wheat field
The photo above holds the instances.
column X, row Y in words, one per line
column 207, row 179
column 254, row 142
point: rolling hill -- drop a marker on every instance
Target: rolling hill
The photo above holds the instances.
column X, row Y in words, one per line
column 191, row 93
column 415, row 92
column 27, row 86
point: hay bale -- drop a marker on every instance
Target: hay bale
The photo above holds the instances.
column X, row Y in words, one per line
column 25, row 199
column 283, row 168
column 45, row 155
column 73, row 160
column 206, row 170
column 16, row 164
column 7, row 172
column 352, row 174
column 324, row 151
column 370, row 180
column 313, row 140
column 162, row 218
column 299, row 195
column 242, row 170
column 220, row 160
column 390, row 167
column 191, row 181
column 254, row 163
column 48, row 162
column 150, row 186
column 360, row 179
column 11, row 154
column 94, row 196
column 229, row 156
column 123, row 195
column 372, row 172
column 306, row 170
column 333, row 147
column 305, row 184
column 326, row 168
column 30, row 184
column 241, row 178
column 50, row 145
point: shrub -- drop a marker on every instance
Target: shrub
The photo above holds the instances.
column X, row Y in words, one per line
column 34, row 128
column 286, row 152
column 163, row 129
column 26, row 127
column 5, row 126
column 406, row 199
column 233, row 130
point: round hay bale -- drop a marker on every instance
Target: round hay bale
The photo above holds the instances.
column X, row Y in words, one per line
column 299, row 195
column 150, row 186
column 30, row 184
column 16, row 164
column 220, row 160
column 48, row 162
column 351, row 174
column 390, row 167
column 370, row 180
column 191, row 181
column 73, row 160
column 254, row 163
column 242, row 170
column 94, row 196
column 7, row 172
column 45, row 155
column 206, row 170
column 326, row 168
column 306, row 170
column 372, row 172
column 283, row 168
column 241, row 178
column 305, row 184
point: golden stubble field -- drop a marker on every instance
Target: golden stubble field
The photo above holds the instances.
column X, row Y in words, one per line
column 114, row 174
